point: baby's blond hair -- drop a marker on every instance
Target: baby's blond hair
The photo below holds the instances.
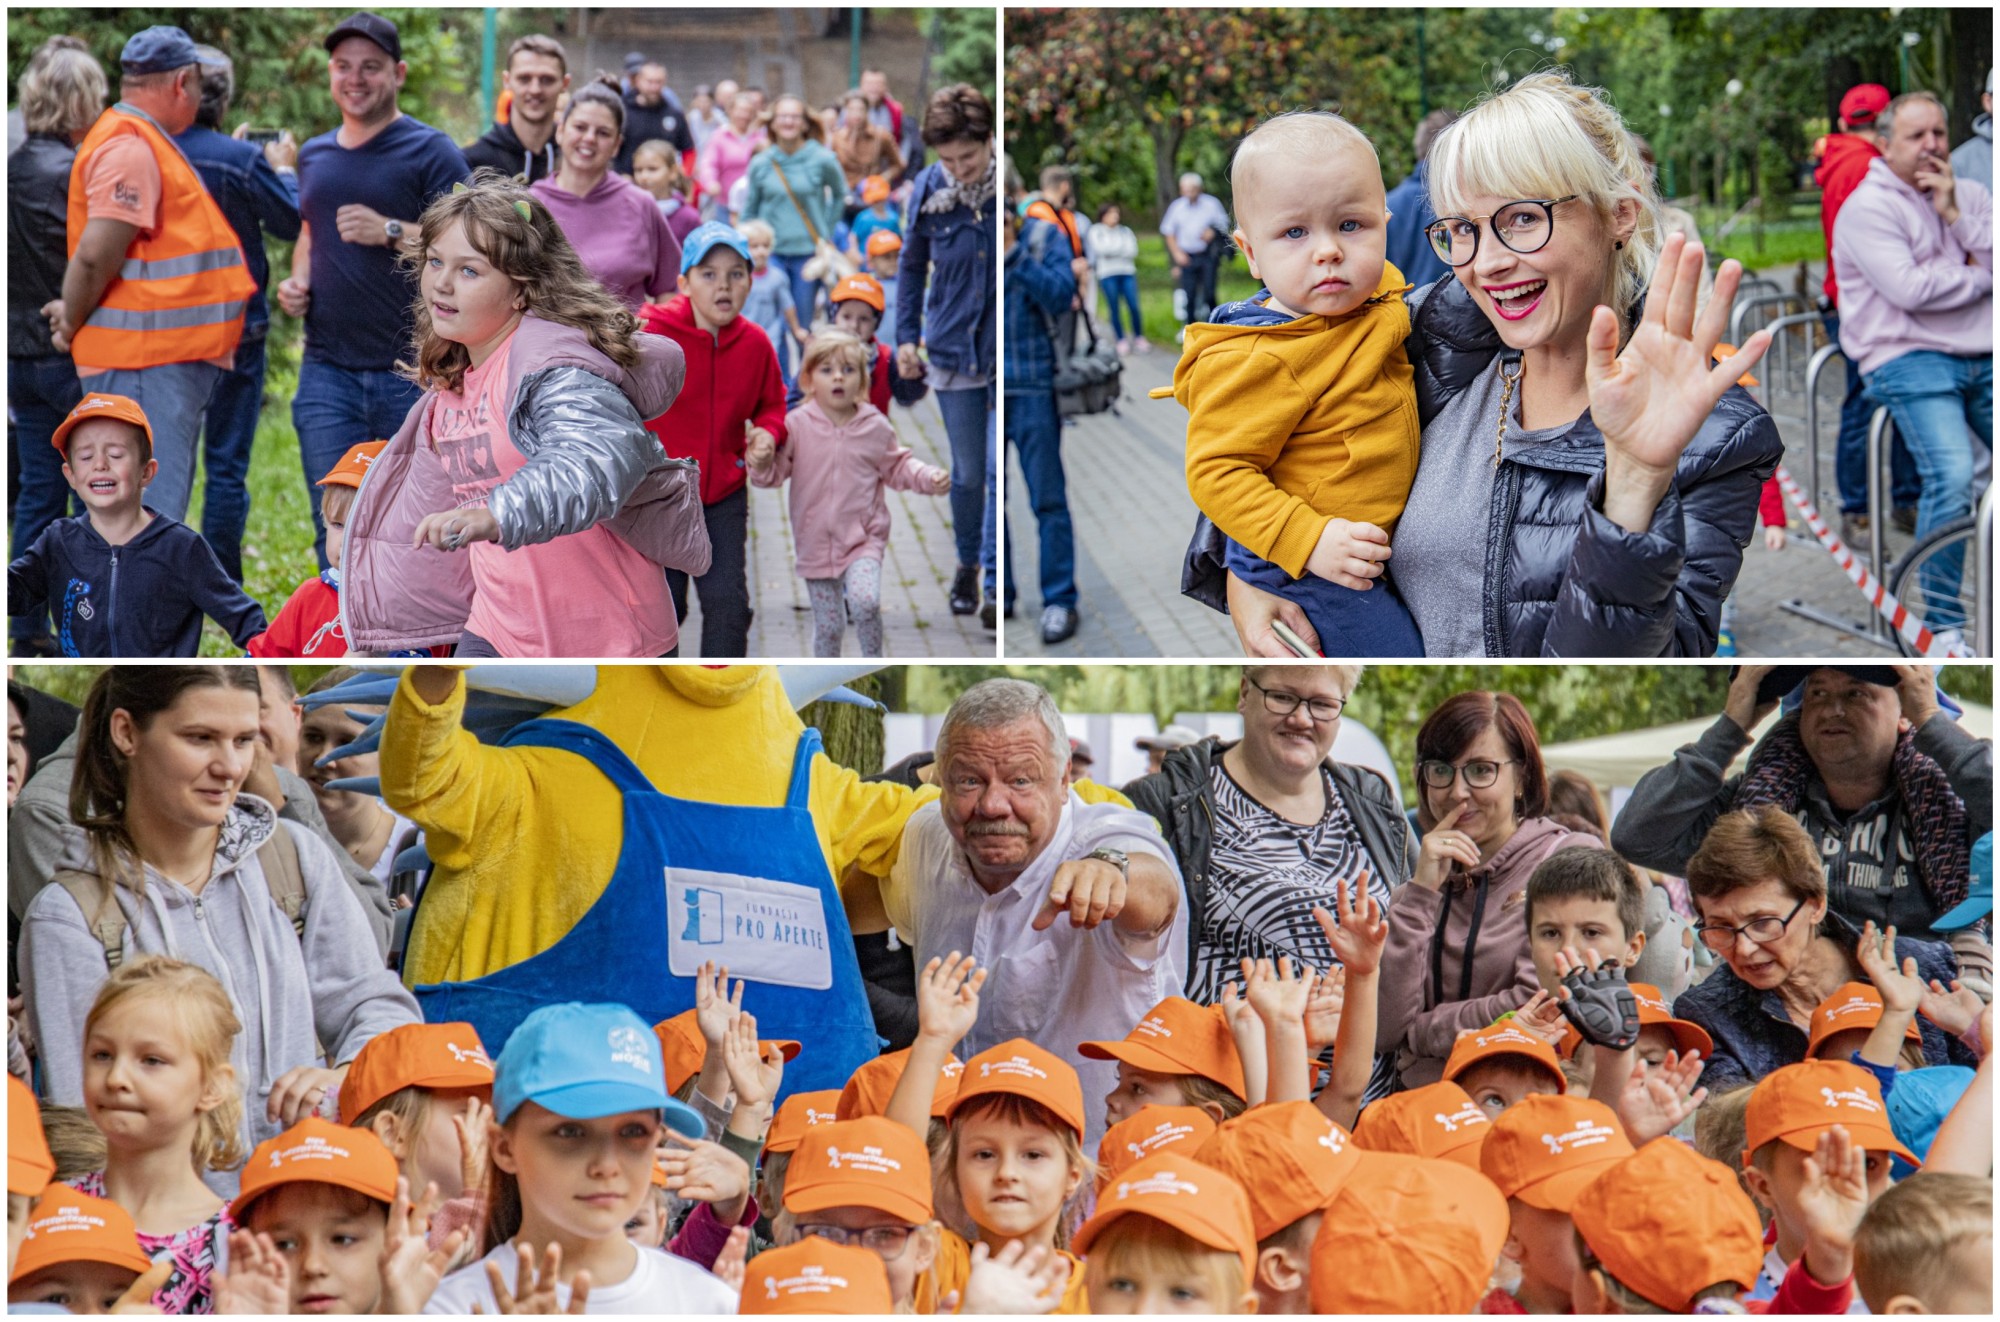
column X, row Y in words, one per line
column 1294, row 134
column 757, row 231
column 203, row 1011
column 1907, row 1239
column 839, row 346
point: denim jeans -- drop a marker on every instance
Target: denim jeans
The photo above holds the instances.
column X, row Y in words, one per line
column 1122, row 292
column 805, row 293
column 231, row 429
column 175, row 398
column 725, row 588
column 336, row 409
column 968, row 423
column 40, row 394
column 1850, row 456
column 1034, row 429
column 1943, row 407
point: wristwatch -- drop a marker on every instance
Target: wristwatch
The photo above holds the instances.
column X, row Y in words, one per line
column 394, row 229
column 1117, row 858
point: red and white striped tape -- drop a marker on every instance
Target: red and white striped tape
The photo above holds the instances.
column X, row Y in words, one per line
column 1903, row 620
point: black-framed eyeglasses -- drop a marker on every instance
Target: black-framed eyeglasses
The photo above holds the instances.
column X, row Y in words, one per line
column 885, row 1242
column 1280, row 703
column 1524, row 226
column 1479, row 772
column 1721, row 938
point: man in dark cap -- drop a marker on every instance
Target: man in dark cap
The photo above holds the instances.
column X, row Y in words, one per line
column 1891, row 788
column 362, row 188
column 154, row 294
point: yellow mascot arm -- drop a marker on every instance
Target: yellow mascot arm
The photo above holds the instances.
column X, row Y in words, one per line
column 861, row 822
column 437, row 773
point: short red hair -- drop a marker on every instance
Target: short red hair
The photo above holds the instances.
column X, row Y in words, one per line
column 1450, row 729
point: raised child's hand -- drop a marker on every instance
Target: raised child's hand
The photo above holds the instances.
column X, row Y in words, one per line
column 1954, row 1011
column 1274, row 993
column 259, row 1280
column 1017, row 1280
column 704, row 1172
column 411, row 1269
column 1358, row 938
column 1655, row 1106
column 1902, row 989
column 715, row 1007
column 755, row 1074
column 948, row 998
column 729, row 1265
column 473, row 1124
column 1323, row 1007
column 1831, row 1203
column 535, row 1292
column 1349, row 553
column 1542, row 1017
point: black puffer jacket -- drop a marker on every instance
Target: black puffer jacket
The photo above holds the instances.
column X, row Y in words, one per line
column 1562, row 580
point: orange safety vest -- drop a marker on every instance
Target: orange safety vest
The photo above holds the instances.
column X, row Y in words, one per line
column 1043, row 209
column 180, row 295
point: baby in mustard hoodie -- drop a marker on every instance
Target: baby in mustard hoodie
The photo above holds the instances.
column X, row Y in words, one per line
column 1302, row 430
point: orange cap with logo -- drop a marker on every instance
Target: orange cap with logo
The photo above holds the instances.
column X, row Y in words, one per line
column 1653, row 1009
column 870, row 1162
column 29, row 1165
column 869, row 1088
column 353, row 465
column 1199, row 1201
column 1153, row 1129
column 1290, row 1153
column 875, row 188
column 816, row 1276
column 1544, row 1150
column 864, row 287
column 321, row 1152
column 67, row 1226
column 800, row 1112
column 683, row 1048
column 1502, row 1039
column 433, row 1056
column 1437, row 1120
column 95, row 405
column 1020, row 1067
column 1668, row 1223
column 1178, row 1037
column 1800, row 1102
column 1407, row 1235
column 1852, row 1005
column 883, row 242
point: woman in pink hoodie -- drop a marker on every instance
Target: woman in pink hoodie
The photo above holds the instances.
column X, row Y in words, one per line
column 1458, row 935
column 725, row 157
column 842, row 455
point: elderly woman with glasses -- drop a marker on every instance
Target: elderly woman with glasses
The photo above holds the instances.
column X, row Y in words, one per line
column 1588, row 476
column 1759, row 886
column 1458, row 935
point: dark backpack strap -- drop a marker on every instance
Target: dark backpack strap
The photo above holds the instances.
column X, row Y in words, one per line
column 278, row 857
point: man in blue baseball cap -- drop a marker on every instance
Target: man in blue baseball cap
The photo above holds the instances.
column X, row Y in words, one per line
column 1871, row 762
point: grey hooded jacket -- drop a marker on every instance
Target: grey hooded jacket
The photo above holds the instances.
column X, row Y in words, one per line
column 292, row 992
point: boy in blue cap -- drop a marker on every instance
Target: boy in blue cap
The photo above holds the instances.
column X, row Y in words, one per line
column 579, row 1106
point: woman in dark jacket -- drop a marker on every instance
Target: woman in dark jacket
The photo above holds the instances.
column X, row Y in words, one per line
column 62, row 93
column 1617, row 465
column 948, row 251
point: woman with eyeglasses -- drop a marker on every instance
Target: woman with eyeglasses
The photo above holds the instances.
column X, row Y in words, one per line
column 1588, row 476
column 1458, row 955
column 1759, row 888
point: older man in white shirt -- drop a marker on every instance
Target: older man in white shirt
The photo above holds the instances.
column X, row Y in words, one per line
column 1075, row 908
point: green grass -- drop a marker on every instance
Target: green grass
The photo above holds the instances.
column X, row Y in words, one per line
column 1156, row 290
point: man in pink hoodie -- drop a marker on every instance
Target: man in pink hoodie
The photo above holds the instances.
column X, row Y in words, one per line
column 1914, row 247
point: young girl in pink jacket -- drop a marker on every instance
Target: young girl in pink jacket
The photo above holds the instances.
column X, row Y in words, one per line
column 841, row 454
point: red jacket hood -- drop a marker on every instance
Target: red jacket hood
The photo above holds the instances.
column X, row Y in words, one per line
column 1845, row 152
column 732, row 378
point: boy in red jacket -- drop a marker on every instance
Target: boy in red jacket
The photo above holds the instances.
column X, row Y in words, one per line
column 734, row 400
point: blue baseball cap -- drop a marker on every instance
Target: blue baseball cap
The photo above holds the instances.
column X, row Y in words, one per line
column 587, row 1061
column 1978, row 901
column 158, row 50
column 1918, row 1104
column 705, row 238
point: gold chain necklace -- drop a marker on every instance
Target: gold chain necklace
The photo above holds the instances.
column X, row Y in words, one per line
column 1507, row 384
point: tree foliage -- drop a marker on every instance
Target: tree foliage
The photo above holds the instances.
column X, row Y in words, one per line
column 963, row 41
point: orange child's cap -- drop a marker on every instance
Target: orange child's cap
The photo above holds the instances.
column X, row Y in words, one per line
column 864, row 287
column 1668, row 1223
column 1152, row 1130
column 800, row 1112
column 1020, row 1067
column 67, row 1226
column 683, row 1048
column 1199, row 1201
column 1296, row 1159
column 1437, row 1120
column 1502, row 1040
column 431, row 1056
column 1800, row 1102
column 1653, row 1009
column 870, row 1162
column 875, row 188
column 353, row 465
column 816, row 1276
column 883, row 242
column 869, row 1088
column 95, row 405
column 1407, row 1235
column 321, row 1152
column 1178, row 1037
column 1853, row 1005
column 29, row 1165
column 1545, row 1150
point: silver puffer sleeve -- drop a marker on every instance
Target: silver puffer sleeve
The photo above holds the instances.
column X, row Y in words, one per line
column 587, row 451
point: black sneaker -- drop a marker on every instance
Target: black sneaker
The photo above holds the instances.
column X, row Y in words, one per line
column 1059, row 624
column 987, row 619
column 965, row 590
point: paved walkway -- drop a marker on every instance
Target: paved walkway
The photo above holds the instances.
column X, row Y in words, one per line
column 1128, row 496
column 916, row 572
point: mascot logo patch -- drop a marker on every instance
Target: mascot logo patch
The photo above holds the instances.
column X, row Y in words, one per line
column 763, row 930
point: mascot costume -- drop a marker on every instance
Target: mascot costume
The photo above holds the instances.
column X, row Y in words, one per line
column 599, row 833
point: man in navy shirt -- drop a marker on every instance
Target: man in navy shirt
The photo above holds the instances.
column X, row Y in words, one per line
column 257, row 190
column 362, row 189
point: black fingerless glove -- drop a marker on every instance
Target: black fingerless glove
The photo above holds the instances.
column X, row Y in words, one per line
column 1602, row 1007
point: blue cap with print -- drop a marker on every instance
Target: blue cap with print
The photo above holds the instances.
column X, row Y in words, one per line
column 705, row 238
column 587, row 1061
column 1978, row 902
column 1918, row 1104
column 158, row 50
